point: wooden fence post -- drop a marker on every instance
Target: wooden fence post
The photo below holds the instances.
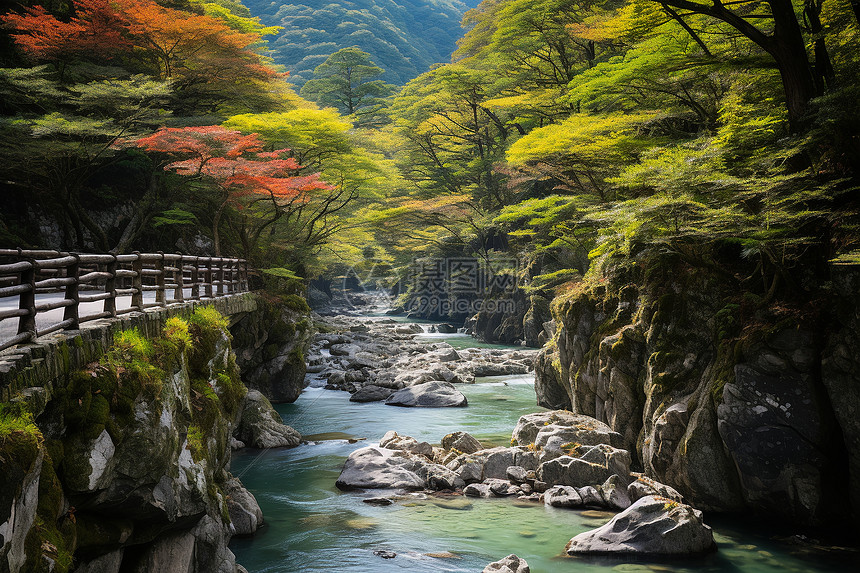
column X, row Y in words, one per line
column 179, row 279
column 73, row 311
column 27, row 301
column 137, row 282
column 110, row 287
column 159, row 279
column 195, row 278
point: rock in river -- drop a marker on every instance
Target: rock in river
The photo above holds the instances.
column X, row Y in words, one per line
column 651, row 526
column 510, row 564
column 379, row 468
column 433, row 394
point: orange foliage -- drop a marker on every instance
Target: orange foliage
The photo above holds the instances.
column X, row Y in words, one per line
column 202, row 46
column 96, row 28
column 236, row 162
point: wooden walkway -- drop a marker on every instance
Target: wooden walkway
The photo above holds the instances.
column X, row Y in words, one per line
column 48, row 291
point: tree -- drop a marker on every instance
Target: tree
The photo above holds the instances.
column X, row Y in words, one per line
column 779, row 34
column 207, row 60
column 264, row 184
column 347, row 81
column 65, row 135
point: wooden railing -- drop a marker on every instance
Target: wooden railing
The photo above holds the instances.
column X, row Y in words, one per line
column 92, row 278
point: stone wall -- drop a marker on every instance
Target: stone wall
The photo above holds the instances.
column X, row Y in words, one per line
column 55, row 356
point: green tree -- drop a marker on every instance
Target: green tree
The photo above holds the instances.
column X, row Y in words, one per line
column 348, row 80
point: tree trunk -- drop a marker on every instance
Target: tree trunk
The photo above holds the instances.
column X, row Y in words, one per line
column 789, row 51
column 216, row 223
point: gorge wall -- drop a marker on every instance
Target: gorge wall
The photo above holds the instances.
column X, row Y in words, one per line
column 122, row 464
column 739, row 405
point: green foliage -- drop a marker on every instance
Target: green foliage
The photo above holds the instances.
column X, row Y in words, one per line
column 403, row 36
column 281, row 272
column 347, row 81
column 175, row 216
column 176, row 339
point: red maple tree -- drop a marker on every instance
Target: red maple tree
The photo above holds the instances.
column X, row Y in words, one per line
column 266, row 183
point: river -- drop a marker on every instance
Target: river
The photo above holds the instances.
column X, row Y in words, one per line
column 313, row 527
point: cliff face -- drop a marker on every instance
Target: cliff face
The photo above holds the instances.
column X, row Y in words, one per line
column 737, row 407
column 124, row 465
column 271, row 344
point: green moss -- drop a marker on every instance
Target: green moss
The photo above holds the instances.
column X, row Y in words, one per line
column 297, row 356
column 20, row 439
column 196, row 443
column 174, row 341
column 296, row 302
column 217, row 497
column 207, row 318
column 207, row 327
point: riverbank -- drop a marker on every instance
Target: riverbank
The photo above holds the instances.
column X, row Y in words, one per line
column 311, row 526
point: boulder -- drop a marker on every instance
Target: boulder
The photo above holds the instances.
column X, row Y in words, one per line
column 371, row 393
column 262, row 427
column 510, row 564
column 614, row 493
column 553, row 429
column 516, row 474
column 643, row 486
column 595, row 467
column 651, row 526
column 562, row 496
column 107, row 563
column 245, row 512
column 590, row 496
column 379, row 468
column 433, row 394
column 477, row 490
column 394, row 441
column 463, row 442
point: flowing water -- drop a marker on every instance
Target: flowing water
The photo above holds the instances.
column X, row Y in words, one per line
column 313, row 527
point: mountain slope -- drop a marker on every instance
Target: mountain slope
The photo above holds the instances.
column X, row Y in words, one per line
column 404, row 37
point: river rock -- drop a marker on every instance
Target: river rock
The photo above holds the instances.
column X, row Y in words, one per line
column 477, row 490
column 594, row 467
column 614, row 492
column 562, row 496
column 502, row 488
column 590, row 496
column 510, row 564
column 651, row 526
column 262, row 427
column 394, row 441
column 643, row 486
column 551, row 430
column 245, row 513
column 371, row 393
column 435, row 394
column 379, row 468
column 463, row 442
column 516, row 474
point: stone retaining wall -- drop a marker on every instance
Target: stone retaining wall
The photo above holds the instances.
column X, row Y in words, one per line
column 53, row 357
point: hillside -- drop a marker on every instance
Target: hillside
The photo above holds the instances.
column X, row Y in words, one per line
column 405, row 37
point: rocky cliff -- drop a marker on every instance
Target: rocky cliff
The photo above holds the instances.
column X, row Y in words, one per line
column 738, row 404
column 271, row 344
column 124, row 465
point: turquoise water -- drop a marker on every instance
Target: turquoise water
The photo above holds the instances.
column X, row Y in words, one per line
column 313, row 527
